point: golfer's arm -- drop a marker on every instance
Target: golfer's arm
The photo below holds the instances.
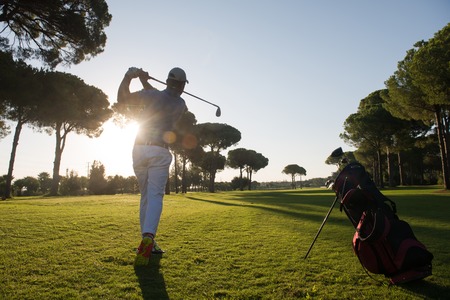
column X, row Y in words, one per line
column 124, row 95
column 145, row 84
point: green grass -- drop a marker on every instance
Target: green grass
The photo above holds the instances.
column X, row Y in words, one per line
column 234, row 245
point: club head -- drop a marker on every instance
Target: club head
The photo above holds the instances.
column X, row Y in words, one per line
column 218, row 112
column 337, row 153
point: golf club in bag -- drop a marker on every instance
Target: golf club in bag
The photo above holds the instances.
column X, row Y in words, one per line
column 383, row 243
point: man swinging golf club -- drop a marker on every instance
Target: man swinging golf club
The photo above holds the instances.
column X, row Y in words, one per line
column 151, row 156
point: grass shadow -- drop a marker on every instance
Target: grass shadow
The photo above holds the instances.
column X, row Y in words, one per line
column 288, row 207
column 151, row 280
column 426, row 289
column 285, row 203
column 313, row 205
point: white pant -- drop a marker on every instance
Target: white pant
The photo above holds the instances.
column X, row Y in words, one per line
column 151, row 166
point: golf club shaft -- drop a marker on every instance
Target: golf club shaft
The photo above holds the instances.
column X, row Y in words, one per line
column 321, row 226
column 187, row 93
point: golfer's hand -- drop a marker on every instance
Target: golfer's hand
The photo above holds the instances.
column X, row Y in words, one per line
column 133, row 72
column 143, row 76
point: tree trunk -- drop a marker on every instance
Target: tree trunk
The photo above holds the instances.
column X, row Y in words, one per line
column 374, row 171
column 183, row 176
column 212, row 178
column 389, row 168
column 380, row 169
column 241, row 183
column 293, row 181
column 12, row 159
column 59, row 148
column 400, row 167
column 56, row 165
column 167, row 189
column 445, row 136
column 176, row 173
column 442, row 148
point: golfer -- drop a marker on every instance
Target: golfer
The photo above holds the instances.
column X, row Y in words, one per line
column 151, row 156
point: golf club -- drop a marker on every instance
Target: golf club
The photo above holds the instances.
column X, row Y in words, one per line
column 218, row 111
column 321, row 226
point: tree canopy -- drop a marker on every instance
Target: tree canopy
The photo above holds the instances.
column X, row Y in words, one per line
column 249, row 160
column 419, row 90
column 54, row 31
column 371, row 127
column 216, row 137
column 70, row 105
column 293, row 170
column 20, row 90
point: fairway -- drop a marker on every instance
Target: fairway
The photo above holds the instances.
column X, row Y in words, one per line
column 231, row 245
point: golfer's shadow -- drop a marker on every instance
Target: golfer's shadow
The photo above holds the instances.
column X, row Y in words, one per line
column 151, row 280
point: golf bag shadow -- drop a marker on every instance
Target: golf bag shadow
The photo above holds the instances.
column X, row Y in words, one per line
column 383, row 243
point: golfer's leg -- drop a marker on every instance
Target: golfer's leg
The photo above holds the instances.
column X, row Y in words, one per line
column 157, row 179
column 143, row 209
column 140, row 165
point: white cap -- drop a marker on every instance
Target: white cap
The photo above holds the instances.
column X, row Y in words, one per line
column 177, row 74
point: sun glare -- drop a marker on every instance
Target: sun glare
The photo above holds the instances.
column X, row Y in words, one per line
column 114, row 148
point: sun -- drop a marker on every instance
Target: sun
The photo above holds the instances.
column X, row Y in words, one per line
column 114, row 147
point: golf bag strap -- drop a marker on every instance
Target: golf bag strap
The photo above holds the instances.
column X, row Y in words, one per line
column 378, row 229
column 341, row 194
column 393, row 205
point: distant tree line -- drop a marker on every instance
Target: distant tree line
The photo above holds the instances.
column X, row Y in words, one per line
column 402, row 132
column 73, row 185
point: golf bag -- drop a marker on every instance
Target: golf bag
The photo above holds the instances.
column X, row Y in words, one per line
column 383, row 243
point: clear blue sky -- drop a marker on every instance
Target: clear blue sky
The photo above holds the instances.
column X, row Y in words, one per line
column 286, row 74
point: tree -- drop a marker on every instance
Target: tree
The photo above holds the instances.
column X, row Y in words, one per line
column 293, row 170
column 237, row 159
column 27, row 186
column 131, row 185
column 216, row 137
column 210, row 163
column 71, row 185
column 239, row 183
column 186, row 146
column 115, row 185
column 195, row 177
column 372, row 127
column 19, row 90
column 45, row 182
column 2, row 186
column 4, row 128
column 54, row 31
column 70, row 105
column 257, row 162
column 97, row 182
column 248, row 160
column 419, row 90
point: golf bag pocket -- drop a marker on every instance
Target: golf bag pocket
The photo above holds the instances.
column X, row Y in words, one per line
column 370, row 244
column 374, row 256
column 409, row 253
column 390, row 248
